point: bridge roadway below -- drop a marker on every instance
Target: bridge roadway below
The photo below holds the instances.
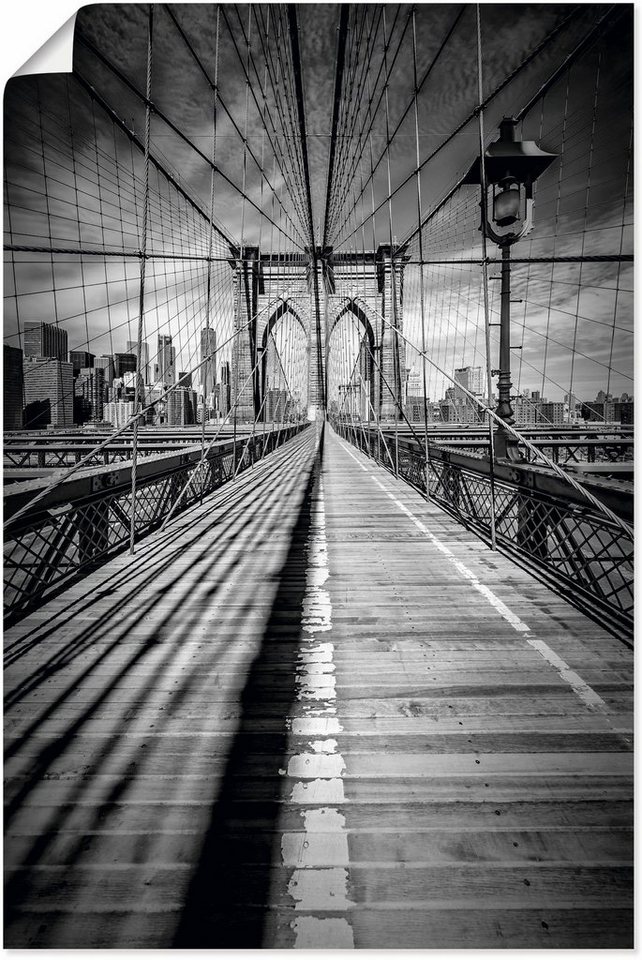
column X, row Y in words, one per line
column 316, row 711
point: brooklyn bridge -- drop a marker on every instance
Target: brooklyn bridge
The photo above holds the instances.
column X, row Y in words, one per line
column 318, row 479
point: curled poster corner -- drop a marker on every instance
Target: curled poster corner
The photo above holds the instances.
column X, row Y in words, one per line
column 55, row 55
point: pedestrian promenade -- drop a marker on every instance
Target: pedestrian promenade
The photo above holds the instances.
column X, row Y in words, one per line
column 316, row 712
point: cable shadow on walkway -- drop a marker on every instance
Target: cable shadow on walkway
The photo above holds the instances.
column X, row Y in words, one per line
column 228, row 897
column 175, row 625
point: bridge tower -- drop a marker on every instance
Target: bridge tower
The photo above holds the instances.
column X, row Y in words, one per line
column 363, row 286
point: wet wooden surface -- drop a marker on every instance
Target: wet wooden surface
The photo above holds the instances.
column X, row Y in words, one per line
column 297, row 719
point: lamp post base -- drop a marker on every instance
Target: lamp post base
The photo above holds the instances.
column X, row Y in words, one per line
column 506, row 446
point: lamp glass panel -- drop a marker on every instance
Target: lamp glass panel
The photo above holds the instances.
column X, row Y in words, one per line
column 506, row 207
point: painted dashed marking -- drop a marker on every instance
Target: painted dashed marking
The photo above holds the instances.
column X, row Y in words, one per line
column 319, row 851
column 579, row 686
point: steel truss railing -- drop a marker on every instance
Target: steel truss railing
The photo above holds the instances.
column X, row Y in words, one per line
column 85, row 521
column 564, row 452
column 547, row 529
column 45, row 456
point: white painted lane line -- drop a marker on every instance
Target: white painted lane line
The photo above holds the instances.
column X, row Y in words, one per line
column 579, row 686
column 319, row 851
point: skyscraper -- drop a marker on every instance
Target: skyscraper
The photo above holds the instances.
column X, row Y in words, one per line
column 49, row 392
column 224, row 391
column 80, row 359
column 93, row 391
column 165, row 366
column 124, row 363
column 471, row 379
column 208, row 368
column 44, row 340
column 181, row 407
column 106, row 363
column 13, row 388
column 132, row 347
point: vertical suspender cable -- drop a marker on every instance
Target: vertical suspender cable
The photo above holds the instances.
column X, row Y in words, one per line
column 210, row 357
column 484, row 213
column 298, row 86
column 143, row 262
column 422, row 303
column 242, row 279
column 587, row 194
column 396, row 380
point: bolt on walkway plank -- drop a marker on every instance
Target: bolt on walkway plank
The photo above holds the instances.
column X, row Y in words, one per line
column 316, row 712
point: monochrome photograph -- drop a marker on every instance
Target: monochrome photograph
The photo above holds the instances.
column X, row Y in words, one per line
column 318, row 421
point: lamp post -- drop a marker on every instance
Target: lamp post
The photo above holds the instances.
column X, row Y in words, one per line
column 509, row 170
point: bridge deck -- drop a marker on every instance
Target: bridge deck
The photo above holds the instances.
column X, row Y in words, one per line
column 316, row 713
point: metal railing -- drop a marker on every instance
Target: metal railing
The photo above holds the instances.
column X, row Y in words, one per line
column 540, row 522
column 85, row 521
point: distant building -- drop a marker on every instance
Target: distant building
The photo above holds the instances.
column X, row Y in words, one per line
column 223, row 391
column 80, row 359
column 185, row 379
column 276, row 405
column 156, row 413
column 118, row 412
column 418, row 410
column 132, row 347
column 124, row 363
column 13, row 389
column 552, row 412
column 48, row 392
column 415, row 384
column 44, row 340
column 180, row 409
column 208, row 368
column 526, row 412
column 609, row 411
column 165, row 366
column 106, row 363
column 471, row 379
column 90, row 387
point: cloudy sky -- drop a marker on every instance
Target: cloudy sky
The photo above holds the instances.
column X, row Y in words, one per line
column 87, row 161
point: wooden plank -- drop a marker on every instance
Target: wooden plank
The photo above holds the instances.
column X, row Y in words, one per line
column 165, row 719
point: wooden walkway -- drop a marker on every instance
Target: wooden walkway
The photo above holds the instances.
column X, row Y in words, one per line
column 316, row 712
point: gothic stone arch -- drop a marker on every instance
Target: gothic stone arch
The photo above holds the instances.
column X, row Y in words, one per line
column 263, row 281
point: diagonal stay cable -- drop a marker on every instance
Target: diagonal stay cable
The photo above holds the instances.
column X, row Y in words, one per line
column 176, row 130
column 508, row 79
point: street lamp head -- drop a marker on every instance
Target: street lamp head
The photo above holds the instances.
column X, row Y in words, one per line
column 511, row 167
column 507, row 203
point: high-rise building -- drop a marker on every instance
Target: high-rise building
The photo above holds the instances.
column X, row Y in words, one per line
column 185, row 379
column 82, row 406
column 91, row 386
column 471, row 379
column 49, row 392
column 13, row 389
column 124, row 363
column 118, row 412
column 415, row 384
column 526, row 412
column 551, row 412
column 106, row 363
column 418, row 409
column 223, row 391
column 208, row 366
column 180, row 407
column 165, row 366
column 276, row 403
column 80, row 359
column 44, row 340
column 132, row 347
